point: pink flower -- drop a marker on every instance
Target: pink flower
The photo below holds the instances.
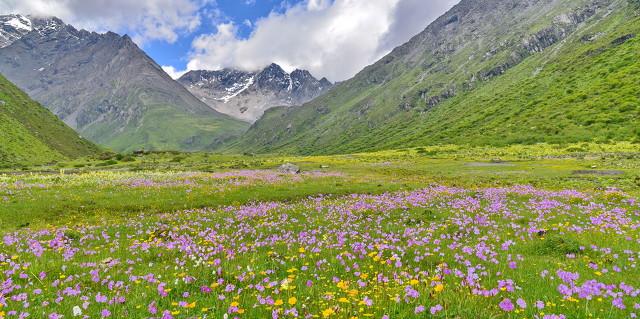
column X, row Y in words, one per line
column 153, row 309
column 521, row 303
column 105, row 313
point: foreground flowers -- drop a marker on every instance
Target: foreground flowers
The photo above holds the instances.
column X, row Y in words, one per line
column 442, row 252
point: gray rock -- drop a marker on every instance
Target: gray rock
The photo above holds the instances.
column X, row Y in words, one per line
column 247, row 95
column 289, row 168
column 2, row 103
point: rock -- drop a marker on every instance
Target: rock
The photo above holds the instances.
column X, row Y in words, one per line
column 289, row 168
column 2, row 103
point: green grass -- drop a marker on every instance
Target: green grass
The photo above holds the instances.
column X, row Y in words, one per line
column 30, row 134
column 195, row 220
column 162, row 128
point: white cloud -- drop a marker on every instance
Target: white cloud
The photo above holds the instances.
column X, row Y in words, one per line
column 144, row 19
column 332, row 38
column 175, row 74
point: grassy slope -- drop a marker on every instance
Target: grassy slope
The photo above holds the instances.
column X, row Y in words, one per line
column 573, row 91
column 164, row 128
column 30, row 134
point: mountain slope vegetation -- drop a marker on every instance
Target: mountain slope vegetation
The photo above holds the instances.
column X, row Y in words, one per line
column 30, row 134
column 109, row 90
column 487, row 72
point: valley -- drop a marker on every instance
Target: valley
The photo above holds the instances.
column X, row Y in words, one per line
column 489, row 167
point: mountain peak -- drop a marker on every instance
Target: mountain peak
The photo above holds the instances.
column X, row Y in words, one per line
column 246, row 95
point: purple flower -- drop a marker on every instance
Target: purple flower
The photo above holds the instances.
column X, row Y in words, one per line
column 435, row 309
column 618, row 303
column 419, row 309
column 540, row 304
column 506, row 305
column 105, row 313
column 521, row 303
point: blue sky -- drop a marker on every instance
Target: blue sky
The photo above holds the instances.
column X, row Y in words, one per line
column 237, row 11
column 330, row 38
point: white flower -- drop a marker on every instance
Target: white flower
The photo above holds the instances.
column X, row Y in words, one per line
column 77, row 311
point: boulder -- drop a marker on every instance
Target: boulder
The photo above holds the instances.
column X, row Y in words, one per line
column 289, row 168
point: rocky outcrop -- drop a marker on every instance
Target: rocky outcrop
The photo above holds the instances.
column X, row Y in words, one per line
column 247, row 95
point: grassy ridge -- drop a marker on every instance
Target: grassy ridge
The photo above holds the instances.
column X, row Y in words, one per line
column 30, row 134
column 580, row 89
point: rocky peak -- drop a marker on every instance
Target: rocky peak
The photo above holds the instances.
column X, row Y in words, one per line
column 13, row 27
column 246, row 95
column 273, row 78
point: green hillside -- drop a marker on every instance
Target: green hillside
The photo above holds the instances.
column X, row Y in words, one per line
column 30, row 134
column 542, row 71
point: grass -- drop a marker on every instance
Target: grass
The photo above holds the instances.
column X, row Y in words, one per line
column 29, row 134
column 198, row 235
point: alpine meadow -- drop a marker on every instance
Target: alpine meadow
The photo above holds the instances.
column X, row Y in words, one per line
column 329, row 159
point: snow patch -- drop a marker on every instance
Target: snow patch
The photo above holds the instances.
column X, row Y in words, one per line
column 237, row 89
column 20, row 23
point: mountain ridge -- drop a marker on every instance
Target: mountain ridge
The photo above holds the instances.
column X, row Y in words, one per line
column 246, row 95
column 110, row 90
column 433, row 89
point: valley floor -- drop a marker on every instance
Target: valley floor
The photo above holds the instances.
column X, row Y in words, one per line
column 541, row 231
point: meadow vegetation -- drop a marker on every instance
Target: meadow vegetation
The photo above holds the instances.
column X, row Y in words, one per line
column 537, row 231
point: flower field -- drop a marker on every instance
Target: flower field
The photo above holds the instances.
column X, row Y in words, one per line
column 442, row 252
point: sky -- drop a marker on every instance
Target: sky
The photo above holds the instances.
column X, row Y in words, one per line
column 330, row 38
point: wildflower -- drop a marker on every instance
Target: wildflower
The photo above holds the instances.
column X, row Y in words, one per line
column 435, row 309
column 438, row 288
column 76, row 311
column 419, row 309
column 153, row 309
column 506, row 305
column 618, row 303
column 292, row 301
column 521, row 303
column 328, row 312
column 105, row 313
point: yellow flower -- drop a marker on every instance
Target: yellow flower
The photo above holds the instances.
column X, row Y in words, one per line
column 414, row 282
column 343, row 299
column 293, row 300
column 235, row 304
column 439, row 288
column 278, row 302
column 191, row 305
column 328, row 312
column 301, row 250
column 342, row 285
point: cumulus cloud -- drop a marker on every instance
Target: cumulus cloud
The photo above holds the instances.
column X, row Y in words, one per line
column 173, row 72
column 332, row 38
column 144, row 19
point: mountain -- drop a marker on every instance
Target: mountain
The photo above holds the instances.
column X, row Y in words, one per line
column 30, row 134
column 486, row 72
column 108, row 89
column 247, row 95
column 12, row 28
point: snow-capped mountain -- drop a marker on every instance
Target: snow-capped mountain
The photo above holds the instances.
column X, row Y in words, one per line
column 13, row 27
column 247, row 95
